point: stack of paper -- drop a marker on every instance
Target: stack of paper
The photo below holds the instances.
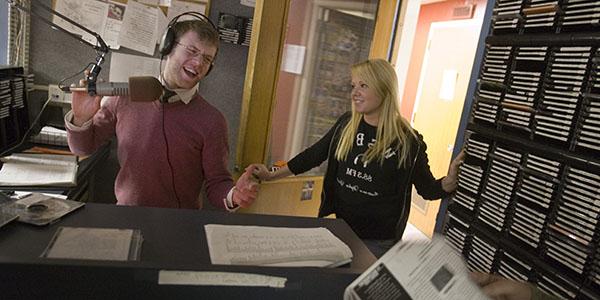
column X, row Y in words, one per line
column 38, row 170
column 275, row 246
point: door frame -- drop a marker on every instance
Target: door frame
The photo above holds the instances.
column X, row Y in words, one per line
column 262, row 73
column 295, row 133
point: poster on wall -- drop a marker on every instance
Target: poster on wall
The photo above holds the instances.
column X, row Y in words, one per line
column 235, row 29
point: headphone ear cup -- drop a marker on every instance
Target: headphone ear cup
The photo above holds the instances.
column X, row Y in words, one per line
column 209, row 69
column 167, row 41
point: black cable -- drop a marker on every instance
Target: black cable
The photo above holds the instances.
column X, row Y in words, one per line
column 60, row 83
column 168, row 159
column 28, row 132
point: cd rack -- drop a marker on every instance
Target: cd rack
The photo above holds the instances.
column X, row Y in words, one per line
column 527, row 204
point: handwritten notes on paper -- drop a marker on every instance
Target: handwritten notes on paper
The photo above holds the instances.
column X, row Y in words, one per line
column 275, row 246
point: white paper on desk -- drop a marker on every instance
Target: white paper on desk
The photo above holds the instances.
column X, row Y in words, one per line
column 168, row 277
column 91, row 14
column 138, row 31
column 179, row 7
column 91, row 243
column 417, row 270
column 38, row 169
column 275, row 246
column 123, row 66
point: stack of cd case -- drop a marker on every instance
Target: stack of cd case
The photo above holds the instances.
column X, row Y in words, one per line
column 525, row 82
column 5, row 98
column 540, row 15
column 497, row 192
column 495, row 63
column 469, row 178
column 577, row 214
column 18, row 89
column 491, row 87
column 588, row 133
column 562, row 91
column 571, row 254
column 481, row 255
column 595, row 269
column 476, row 146
column 580, row 15
column 511, row 267
column 506, row 16
column 527, row 225
column 456, row 232
column 539, row 181
column 556, row 284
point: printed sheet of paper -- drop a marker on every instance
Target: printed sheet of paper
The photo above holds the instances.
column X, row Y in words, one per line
column 91, row 243
column 114, row 22
column 168, row 277
column 138, row 31
column 161, row 25
column 123, row 66
column 275, row 246
column 178, row 7
column 90, row 14
column 416, row 270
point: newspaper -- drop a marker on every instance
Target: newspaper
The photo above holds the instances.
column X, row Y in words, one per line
column 416, row 270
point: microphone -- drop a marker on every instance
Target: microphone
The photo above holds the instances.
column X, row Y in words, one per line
column 139, row 89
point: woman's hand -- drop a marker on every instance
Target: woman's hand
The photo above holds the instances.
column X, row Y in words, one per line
column 450, row 182
column 260, row 171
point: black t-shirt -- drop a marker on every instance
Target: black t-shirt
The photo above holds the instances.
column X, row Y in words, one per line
column 367, row 193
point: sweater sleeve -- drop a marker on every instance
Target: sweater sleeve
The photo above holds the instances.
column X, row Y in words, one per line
column 316, row 154
column 87, row 139
column 427, row 186
column 218, row 181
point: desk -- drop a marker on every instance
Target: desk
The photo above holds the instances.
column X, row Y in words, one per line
column 174, row 239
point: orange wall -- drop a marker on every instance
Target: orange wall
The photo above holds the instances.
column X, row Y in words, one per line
column 429, row 13
column 285, row 85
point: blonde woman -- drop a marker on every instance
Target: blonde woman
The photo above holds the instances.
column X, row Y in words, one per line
column 374, row 158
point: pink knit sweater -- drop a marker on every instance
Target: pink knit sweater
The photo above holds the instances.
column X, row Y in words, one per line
column 196, row 146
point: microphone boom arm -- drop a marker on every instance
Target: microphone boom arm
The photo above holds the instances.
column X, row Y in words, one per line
column 101, row 48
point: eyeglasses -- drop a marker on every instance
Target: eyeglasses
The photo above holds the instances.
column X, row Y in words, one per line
column 193, row 52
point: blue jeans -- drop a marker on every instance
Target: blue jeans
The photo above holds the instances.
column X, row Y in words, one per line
column 379, row 247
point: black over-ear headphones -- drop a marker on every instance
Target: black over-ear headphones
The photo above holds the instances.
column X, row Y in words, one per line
column 167, row 42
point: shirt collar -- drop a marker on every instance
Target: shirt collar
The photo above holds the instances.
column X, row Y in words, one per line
column 185, row 95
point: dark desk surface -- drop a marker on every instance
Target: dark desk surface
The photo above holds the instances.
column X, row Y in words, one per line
column 174, row 240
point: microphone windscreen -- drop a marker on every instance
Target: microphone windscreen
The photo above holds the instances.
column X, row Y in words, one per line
column 144, row 89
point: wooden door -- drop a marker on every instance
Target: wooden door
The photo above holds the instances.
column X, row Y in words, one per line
column 440, row 99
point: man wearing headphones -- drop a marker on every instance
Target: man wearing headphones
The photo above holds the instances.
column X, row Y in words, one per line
column 168, row 148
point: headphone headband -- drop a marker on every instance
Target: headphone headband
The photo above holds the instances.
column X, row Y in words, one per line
column 167, row 41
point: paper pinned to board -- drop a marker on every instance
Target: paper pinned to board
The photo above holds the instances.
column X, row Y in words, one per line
column 123, row 66
column 168, row 277
column 138, row 31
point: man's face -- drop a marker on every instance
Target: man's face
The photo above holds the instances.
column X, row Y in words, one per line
column 188, row 61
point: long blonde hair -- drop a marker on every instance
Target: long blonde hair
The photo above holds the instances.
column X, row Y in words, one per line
column 392, row 128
